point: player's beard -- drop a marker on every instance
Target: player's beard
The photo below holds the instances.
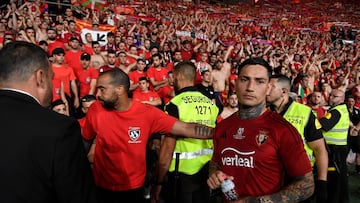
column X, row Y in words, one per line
column 107, row 104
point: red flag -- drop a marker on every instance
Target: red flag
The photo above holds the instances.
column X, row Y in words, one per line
column 125, row 10
column 81, row 24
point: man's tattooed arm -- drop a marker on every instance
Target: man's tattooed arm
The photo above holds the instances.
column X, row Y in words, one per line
column 300, row 189
column 192, row 130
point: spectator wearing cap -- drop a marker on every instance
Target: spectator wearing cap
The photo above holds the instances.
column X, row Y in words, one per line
column 136, row 74
column 110, row 43
column 63, row 76
column 60, row 107
column 72, row 56
column 95, row 25
column 60, row 29
column 44, row 45
column 87, row 77
column 53, row 40
column 8, row 37
column 86, row 102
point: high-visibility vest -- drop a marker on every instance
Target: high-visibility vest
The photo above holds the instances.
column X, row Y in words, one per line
column 298, row 115
column 194, row 153
column 338, row 134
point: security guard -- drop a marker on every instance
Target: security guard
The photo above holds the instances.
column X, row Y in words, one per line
column 185, row 159
column 335, row 127
column 302, row 118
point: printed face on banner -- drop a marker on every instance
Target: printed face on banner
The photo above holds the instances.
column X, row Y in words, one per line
column 96, row 35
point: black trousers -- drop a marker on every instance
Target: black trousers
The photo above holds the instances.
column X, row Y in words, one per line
column 337, row 183
column 133, row 196
column 187, row 188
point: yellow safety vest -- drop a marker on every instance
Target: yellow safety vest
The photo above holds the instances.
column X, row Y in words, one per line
column 194, row 153
column 338, row 134
column 298, row 115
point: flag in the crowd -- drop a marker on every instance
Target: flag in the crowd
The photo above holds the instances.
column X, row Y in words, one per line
column 301, row 92
column 124, row 10
column 81, row 24
column 96, row 35
column 92, row 4
column 133, row 18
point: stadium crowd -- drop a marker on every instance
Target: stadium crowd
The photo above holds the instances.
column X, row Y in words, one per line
column 315, row 44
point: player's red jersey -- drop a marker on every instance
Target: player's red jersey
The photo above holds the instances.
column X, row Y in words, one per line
column 257, row 152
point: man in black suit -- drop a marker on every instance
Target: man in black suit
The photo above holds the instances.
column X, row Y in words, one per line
column 41, row 152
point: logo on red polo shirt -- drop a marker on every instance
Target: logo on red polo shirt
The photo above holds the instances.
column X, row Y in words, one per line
column 261, row 137
column 134, row 134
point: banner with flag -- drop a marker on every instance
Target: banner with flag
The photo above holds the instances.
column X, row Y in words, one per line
column 81, row 24
column 96, row 35
column 200, row 36
column 124, row 10
column 133, row 18
column 92, row 4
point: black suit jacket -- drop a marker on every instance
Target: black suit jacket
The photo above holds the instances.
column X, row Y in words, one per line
column 42, row 158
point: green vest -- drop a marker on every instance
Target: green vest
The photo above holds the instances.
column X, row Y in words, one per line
column 338, row 134
column 194, row 153
column 298, row 115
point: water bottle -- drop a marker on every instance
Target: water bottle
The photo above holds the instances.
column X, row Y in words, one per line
column 228, row 188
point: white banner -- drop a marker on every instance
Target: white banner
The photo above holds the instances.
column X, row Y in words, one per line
column 97, row 35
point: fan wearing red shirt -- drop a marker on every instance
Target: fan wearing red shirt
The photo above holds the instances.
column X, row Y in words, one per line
column 53, row 41
column 145, row 95
column 136, row 74
column 72, row 56
column 187, row 50
column 157, row 74
column 87, row 77
column 256, row 147
column 111, row 60
column 167, row 92
column 122, row 128
column 71, row 33
column 87, row 45
column 63, row 75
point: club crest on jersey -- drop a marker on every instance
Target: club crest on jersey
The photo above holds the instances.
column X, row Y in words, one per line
column 239, row 134
column 134, row 134
column 261, row 137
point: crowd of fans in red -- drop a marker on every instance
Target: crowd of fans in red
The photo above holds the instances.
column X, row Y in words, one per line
column 315, row 44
